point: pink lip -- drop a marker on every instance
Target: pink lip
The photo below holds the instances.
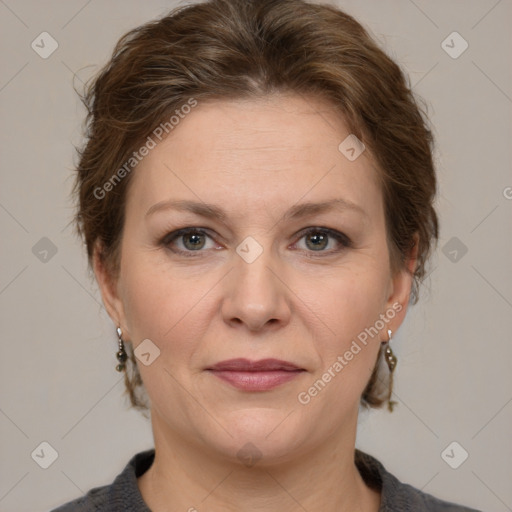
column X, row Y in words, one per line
column 255, row 375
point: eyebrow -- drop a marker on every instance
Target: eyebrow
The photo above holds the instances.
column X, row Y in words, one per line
column 211, row 211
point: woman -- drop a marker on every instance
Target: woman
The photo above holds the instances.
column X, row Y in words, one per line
column 256, row 198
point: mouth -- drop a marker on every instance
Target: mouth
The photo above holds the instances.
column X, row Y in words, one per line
column 261, row 375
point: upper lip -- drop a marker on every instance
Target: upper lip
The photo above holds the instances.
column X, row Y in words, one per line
column 245, row 365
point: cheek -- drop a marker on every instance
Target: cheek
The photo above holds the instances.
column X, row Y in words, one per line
column 347, row 350
column 162, row 306
column 351, row 302
column 146, row 300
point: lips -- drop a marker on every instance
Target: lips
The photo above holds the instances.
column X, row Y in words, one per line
column 263, row 365
column 262, row 375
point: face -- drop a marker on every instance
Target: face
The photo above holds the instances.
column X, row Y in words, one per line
column 267, row 279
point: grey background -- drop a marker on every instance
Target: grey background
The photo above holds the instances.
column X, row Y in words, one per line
column 454, row 378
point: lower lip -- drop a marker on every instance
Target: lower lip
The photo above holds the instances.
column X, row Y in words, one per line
column 256, row 381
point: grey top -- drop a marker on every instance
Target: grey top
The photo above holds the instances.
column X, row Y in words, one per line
column 123, row 494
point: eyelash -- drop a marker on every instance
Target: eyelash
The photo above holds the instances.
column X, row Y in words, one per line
column 345, row 242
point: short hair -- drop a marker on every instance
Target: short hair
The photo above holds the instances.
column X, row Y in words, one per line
column 243, row 49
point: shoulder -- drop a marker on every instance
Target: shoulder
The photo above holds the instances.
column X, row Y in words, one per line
column 114, row 497
column 397, row 496
column 410, row 498
column 95, row 500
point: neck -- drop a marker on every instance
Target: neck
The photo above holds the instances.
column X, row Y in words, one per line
column 184, row 476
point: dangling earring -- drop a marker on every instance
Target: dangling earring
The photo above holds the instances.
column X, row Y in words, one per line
column 122, row 356
column 391, row 361
column 388, row 353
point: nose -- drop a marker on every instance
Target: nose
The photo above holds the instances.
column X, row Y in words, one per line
column 256, row 296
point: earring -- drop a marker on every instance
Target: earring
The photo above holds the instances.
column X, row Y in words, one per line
column 388, row 353
column 391, row 361
column 121, row 354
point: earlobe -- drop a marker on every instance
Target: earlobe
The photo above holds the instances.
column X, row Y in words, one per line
column 108, row 287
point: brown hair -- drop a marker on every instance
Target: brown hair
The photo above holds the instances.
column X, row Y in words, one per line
column 224, row 49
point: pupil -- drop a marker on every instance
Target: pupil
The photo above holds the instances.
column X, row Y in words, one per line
column 195, row 239
column 319, row 238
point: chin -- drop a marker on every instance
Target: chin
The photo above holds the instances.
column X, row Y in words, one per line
column 261, row 436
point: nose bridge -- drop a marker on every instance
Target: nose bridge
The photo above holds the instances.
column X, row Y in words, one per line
column 255, row 294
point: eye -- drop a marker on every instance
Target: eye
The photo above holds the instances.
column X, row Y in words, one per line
column 317, row 239
column 192, row 238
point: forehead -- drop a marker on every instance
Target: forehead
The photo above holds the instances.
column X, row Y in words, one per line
column 255, row 154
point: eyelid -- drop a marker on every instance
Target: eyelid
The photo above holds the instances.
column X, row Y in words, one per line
column 339, row 236
column 176, row 234
column 343, row 240
column 334, row 233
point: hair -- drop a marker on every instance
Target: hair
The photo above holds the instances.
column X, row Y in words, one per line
column 243, row 49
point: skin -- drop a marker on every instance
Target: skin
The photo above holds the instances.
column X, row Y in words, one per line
column 255, row 159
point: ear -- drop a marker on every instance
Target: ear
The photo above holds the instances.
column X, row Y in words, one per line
column 109, row 288
column 400, row 289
